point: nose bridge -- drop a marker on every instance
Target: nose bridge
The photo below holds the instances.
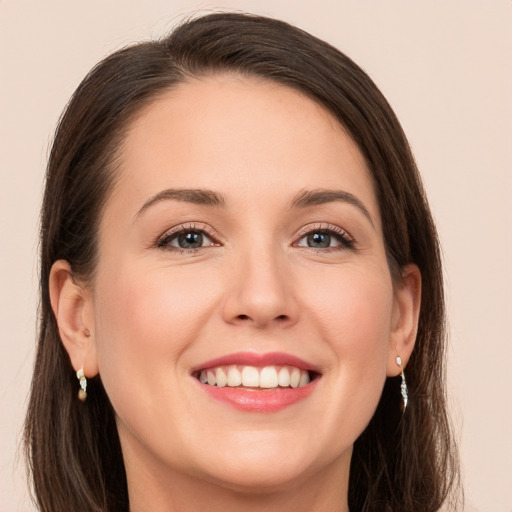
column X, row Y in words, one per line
column 261, row 291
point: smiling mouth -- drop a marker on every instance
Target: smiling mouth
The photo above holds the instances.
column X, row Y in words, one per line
column 271, row 377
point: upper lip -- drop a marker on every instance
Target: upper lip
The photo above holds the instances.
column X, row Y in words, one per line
column 260, row 360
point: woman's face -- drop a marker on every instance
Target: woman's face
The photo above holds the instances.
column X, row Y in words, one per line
column 243, row 233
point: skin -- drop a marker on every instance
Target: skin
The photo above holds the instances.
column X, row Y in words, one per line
column 154, row 312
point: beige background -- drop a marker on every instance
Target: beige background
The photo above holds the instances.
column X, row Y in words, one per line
column 446, row 69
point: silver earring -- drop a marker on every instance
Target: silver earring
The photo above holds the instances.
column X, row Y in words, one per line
column 82, row 392
column 403, row 386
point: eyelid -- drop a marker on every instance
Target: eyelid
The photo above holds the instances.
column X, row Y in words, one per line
column 188, row 226
column 348, row 241
column 322, row 226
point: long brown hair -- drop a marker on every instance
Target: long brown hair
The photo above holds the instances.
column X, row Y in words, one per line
column 401, row 462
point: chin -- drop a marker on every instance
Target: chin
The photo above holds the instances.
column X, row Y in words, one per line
column 268, row 477
column 272, row 469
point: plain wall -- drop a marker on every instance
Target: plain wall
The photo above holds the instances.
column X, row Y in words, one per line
column 445, row 66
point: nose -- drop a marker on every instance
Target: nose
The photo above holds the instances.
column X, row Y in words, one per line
column 261, row 292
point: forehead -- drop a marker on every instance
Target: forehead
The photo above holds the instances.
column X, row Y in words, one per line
column 240, row 134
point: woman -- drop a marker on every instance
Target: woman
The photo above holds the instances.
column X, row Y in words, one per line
column 240, row 268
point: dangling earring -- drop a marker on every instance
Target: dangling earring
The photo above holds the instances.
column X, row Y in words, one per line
column 82, row 392
column 403, row 386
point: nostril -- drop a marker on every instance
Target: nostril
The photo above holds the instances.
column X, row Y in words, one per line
column 246, row 317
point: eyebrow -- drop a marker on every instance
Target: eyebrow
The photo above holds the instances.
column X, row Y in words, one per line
column 187, row 195
column 205, row 197
column 322, row 196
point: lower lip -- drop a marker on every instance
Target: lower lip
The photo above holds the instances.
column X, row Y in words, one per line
column 259, row 400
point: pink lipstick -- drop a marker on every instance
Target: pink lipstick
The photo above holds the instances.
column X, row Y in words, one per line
column 257, row 382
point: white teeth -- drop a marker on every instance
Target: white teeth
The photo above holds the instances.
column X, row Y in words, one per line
column 284, row 377
column 295, row 378
column 211, row 378
column 268, row 377
column 234, row 377
column 222, row 378
column 304, row 379
column 250, row 377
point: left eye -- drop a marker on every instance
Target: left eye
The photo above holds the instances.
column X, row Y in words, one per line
column 324, row 239
column 189, row 239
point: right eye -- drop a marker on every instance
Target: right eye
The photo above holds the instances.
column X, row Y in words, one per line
column 186, row 239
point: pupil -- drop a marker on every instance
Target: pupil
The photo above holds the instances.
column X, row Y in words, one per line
column 319, row 240
column 190, row 240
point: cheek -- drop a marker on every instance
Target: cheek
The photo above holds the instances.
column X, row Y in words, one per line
column 144, row 322
column 353, row 314
column 354, row 310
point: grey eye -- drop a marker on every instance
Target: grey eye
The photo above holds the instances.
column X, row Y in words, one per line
column 189, row 240
column 321, row 240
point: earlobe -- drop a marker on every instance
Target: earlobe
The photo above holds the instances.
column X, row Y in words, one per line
column 406, row 310
column 72, row 306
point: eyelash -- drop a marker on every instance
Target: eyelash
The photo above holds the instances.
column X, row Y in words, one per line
column 164, row 242
column 345, row 240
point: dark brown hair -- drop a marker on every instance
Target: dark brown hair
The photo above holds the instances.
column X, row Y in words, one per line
column 401, row 462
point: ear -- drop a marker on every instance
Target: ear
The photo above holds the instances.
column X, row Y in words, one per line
column 404, row 322
column 72, row 307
